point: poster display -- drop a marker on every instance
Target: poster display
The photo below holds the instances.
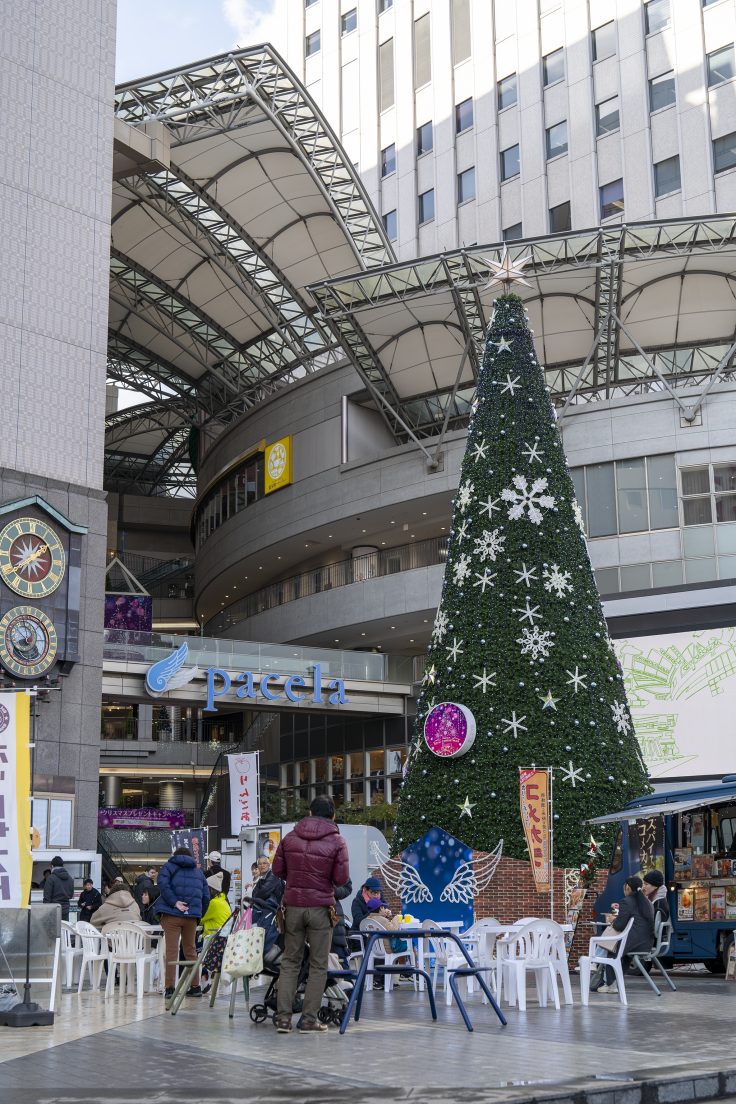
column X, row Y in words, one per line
column 15, row 790
column 268, row 843
column 132, row 612
column 196, row 840
column 534, row 800
column 244, row 795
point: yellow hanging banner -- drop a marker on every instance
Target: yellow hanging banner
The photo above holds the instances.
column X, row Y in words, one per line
column 277, row 465
column 15, row 800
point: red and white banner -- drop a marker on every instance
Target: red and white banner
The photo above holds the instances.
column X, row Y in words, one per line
column 244, row 795
column 534, row 795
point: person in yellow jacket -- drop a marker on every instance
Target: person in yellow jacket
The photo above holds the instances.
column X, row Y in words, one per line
column 219, row 907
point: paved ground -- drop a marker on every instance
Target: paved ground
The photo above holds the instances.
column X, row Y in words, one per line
column 124, row 1052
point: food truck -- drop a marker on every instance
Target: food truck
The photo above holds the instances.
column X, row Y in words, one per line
column 690, row 835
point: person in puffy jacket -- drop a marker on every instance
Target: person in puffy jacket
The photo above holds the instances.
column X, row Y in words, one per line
column 312, row 859
column 58, row 889
column 118, row 905
column 183, row 900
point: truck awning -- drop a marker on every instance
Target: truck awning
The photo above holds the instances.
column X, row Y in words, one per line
column 643, row 812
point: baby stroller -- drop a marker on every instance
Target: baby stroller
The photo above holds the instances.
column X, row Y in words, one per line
column 334, row 1000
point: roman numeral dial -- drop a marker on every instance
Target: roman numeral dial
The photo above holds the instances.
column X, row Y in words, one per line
column 32, row 558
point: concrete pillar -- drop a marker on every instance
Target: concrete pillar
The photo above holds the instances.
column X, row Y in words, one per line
column 171, row 795
column 365, row 562
column 111, row 790
column 145, row 722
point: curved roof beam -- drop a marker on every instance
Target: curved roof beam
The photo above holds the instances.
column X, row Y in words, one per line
column 134, row 366
column 214, row 93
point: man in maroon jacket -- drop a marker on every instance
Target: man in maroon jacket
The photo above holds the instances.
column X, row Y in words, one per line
column 312, row 859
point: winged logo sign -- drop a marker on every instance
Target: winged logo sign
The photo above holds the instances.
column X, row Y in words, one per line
column 168, row 674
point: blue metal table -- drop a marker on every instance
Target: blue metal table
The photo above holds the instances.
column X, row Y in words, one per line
column 471, row 970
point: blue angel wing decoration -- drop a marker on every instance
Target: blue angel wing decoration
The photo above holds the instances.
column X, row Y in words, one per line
column 165, row 674
column 471, row 878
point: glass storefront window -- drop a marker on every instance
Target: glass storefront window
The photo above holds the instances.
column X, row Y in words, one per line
column 320, row 770
column 338, row 766
column 377, row 762
column 601, row 500
column 303, row 773
column 632, row 496
column 662, row 484
column 396, row 760
column 357, row 765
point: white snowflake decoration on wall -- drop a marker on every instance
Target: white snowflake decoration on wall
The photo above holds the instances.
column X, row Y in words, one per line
column 490, row 545
column 578, row 515
column 557, row 580
column 461, row 570
column 620, row 718
column 441, row 622
column 527, row 498
column 536, row 643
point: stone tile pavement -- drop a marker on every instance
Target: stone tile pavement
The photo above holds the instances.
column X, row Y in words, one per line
column 605, row 1054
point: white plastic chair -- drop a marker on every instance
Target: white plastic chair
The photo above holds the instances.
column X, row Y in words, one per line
column 70, row 949
column 536, row 949
column 662, row 940
column 389, row 958
column 597, row 956
column 94, row 953
column 481, row 936
column 127, row 949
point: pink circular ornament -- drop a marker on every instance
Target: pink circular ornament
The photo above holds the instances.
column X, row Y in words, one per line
column 449, row 730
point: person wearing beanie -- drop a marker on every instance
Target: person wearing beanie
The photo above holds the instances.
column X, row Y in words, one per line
column 214, row 860
column 58, row 889
column 218, row 910
column 656, row 893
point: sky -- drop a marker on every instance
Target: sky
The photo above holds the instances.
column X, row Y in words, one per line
column 154, row 35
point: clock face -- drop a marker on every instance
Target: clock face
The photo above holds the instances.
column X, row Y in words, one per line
column 32, row 560
column 28, row 642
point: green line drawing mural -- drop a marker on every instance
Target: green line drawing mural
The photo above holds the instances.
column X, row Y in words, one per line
column 682, row 695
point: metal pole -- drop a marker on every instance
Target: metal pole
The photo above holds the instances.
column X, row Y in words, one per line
column 550, row 771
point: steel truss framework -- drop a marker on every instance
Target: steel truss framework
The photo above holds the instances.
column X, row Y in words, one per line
column 616, row 260
column 223, row 96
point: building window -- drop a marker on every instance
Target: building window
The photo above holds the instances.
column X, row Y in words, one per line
column 724, row 153
column 606, row 116
column 464, row 115
column 553, row 67
column 604, row 41
column 384, row 5
column 662, row 91
column 662, row 492
column 721, row 65
column 466, row 185
column 349, row 22
column 656, row 15
column 388, row 160
column 386, row 71
column 389, row 225
column 426, row 207
column 512, row 233
column 557, row 139
column 54, row 817
column 312, row 44
column 422, row 52
column 696, row 496
column 461, row 37
column 425, row 139
column 559, row 218
column 612, row 199
column 667, row 176
column 627, row 496
column 510, row 164
column 507, row 92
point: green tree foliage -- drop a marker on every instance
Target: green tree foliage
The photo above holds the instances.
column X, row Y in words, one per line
column 519, row 636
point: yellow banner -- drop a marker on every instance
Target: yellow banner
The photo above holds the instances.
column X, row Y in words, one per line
column 15, row 800
column 534, row 796
column 277, row 465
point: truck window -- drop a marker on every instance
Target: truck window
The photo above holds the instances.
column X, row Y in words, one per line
column 727, row 825
column 617, row 849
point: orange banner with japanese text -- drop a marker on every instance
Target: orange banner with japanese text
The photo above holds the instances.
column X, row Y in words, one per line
column 244, row 795
column 534, row 797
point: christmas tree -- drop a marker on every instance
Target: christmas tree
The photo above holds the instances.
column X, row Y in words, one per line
column 519, row 638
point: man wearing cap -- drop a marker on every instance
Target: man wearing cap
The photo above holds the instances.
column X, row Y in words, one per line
column 655, row 891
column 215, row 867
column 369, row 902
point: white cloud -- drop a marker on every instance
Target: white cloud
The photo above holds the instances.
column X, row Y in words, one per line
column 254, row 21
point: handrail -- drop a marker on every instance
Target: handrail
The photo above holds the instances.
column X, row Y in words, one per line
column 386, row 561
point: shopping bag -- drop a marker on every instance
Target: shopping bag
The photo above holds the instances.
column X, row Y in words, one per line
column 212, row 962
column 243, row 955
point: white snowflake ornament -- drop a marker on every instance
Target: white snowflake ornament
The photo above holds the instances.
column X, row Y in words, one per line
column 556, row 580
column 536, row 643
column 441, row 622
column 465, row 495
column 522, row 498
column 461, row 570
column 620, row 718
column 490, row 544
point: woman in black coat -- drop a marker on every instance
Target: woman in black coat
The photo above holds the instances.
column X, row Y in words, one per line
column 634, row 904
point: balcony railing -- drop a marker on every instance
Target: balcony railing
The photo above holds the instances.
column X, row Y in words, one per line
column 387, row 561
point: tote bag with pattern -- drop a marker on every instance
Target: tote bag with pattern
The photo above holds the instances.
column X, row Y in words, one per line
column 243, row 955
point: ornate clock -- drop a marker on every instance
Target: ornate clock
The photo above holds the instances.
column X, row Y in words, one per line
column 28, row 642
column 32, row 560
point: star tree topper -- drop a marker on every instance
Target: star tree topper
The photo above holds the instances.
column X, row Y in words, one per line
column 507, row 272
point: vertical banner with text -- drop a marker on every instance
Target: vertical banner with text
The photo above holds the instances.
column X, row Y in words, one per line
column 244, row 810
column 195, row 840
column 534, row 795
column 15, row 800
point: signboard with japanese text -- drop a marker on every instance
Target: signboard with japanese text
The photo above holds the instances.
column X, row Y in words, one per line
column 15, row 789
column 534, row 796
column 195, row 839
column 243, row 772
